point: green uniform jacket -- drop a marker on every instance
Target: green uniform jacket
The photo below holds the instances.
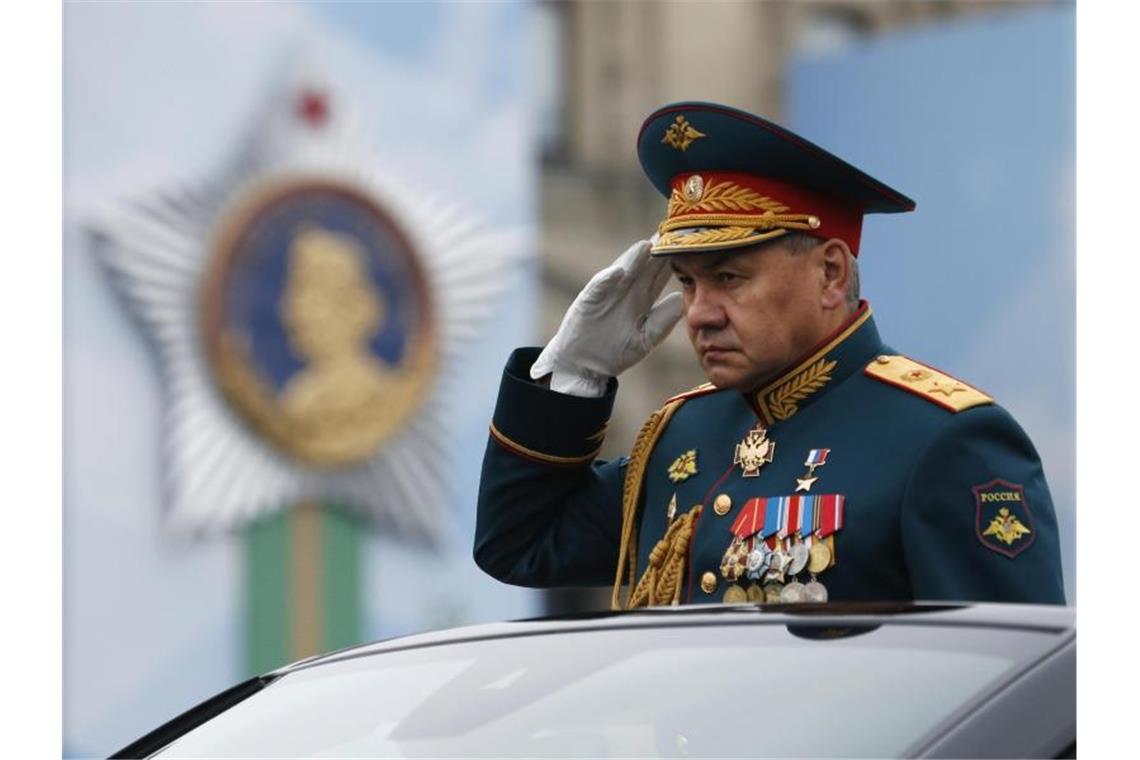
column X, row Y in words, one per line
column 944, row 497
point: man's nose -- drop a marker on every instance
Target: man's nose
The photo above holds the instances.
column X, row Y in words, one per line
column 704, row 311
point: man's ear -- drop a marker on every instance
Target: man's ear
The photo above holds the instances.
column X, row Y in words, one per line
column 836, row 260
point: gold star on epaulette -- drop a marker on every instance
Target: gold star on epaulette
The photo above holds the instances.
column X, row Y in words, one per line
column 926, row 382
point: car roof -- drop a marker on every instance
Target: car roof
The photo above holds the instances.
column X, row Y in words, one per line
column 1024, row 617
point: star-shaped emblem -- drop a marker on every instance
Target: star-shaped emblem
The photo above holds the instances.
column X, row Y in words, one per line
column 946, row 388
column 805, row 483
column 221, row 471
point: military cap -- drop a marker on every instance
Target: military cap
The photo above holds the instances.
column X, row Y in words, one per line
column 735, row 179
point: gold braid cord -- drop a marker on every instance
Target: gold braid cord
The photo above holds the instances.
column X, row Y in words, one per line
column 631, row 492
column 661, row 583
column 784, row 401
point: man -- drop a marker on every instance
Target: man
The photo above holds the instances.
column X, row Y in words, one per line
column 816, row 464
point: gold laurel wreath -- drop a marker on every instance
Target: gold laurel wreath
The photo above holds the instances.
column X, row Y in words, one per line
column 725, row 196
column 784, row 401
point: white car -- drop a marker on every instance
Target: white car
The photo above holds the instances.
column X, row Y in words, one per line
column 827, row 680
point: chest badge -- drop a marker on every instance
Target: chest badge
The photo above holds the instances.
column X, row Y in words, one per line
column 684, row 466
column 754, row 452
column 815, row 458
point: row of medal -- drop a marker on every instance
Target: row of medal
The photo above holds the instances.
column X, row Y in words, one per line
column 777, row 538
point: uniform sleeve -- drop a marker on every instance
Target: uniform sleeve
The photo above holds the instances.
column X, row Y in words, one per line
column 977, row 519
column 549, row 514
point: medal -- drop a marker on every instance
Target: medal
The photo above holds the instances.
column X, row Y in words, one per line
column 800, row 555
column 815, row 458
column 755, row 593
column 734, row 594
column 758, row 559
column 735, row 559
column 815, row 591
column 772, row 593
column 819, row 557
column 754, row 451
column 793, row 593
column 777, row 563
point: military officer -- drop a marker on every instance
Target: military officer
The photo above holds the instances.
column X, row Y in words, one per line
column 816, row 464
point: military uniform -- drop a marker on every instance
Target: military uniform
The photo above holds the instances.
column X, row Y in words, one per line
column 856, row 474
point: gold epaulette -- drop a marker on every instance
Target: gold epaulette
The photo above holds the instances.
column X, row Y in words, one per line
column 947, row 392
column 700, row 390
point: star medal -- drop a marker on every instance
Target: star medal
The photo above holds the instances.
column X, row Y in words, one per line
column 778, row 566
column 758, row 559
column 735, row 559
column 815, row 458
column 754, row 452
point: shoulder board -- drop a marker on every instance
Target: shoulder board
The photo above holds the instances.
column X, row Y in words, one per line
column 700, row 390
column 948, row 392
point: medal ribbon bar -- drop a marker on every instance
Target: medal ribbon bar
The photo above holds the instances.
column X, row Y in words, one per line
column 751, row 518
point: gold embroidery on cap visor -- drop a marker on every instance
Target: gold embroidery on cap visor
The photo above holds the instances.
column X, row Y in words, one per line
column 718, row 217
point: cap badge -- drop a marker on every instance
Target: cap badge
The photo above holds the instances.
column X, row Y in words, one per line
column 694, row 188
column 681, row 134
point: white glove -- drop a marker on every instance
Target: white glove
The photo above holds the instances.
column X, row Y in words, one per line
column 612, row 324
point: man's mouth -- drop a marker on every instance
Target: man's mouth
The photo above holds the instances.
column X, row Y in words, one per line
column 715, row 351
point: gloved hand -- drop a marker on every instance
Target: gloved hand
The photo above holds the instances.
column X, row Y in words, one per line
column 612, row 324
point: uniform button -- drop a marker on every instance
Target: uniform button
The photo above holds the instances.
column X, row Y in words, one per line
column 708, row 582
column 722, row 503
column 883, row 359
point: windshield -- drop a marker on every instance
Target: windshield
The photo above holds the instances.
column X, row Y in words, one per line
column 710, row 690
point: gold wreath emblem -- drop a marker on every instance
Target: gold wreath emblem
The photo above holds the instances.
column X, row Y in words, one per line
column 784, row 401
column 723, row 197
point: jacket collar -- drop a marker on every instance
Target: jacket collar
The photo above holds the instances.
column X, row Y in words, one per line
column 836, row 357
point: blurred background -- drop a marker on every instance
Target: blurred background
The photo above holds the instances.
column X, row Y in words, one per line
column 520, row 118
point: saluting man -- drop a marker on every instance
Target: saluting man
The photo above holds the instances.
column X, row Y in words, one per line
column 816, row 464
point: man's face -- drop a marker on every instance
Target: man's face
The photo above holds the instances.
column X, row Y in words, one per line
column 751, row 313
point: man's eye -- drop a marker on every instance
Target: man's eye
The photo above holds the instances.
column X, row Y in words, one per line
column 725, row 277
column 685, row 280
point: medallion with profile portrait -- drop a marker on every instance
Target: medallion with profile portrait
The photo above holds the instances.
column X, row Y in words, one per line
column 317, row 321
